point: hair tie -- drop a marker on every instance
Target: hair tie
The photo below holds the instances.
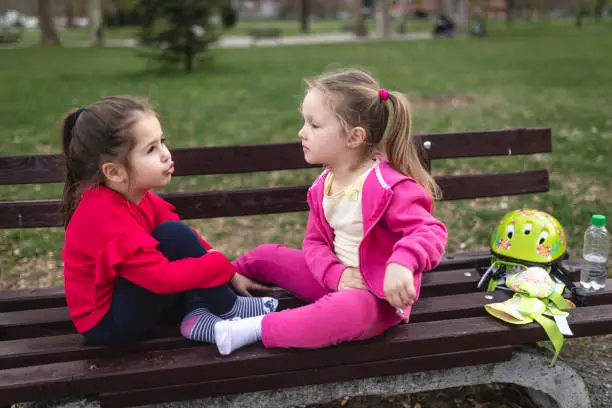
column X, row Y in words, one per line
column 383, row 93
column 78, row 112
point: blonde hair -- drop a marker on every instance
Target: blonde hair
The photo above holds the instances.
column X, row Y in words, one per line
column 354, row 97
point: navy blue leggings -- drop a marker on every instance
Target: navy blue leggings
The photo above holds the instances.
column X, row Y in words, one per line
column 135, row 310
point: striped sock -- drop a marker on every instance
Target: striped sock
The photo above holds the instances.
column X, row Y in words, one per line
column 245, row 307
column 199, row 325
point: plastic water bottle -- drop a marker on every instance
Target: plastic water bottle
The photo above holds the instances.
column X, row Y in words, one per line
column 595, row 255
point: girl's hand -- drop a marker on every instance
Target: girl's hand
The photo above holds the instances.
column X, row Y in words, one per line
column 351, row 279
column 243, row 285
column 399, row 286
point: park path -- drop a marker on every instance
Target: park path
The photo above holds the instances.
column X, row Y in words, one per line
column 246, row 41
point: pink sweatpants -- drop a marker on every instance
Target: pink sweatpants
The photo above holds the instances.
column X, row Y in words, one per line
column 334, row 317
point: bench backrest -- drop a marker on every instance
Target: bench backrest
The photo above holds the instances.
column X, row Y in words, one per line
column 36, row 169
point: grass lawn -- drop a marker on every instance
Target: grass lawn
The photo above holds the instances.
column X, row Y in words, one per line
column 538, row 74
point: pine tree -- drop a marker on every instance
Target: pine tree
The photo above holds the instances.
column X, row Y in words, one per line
column 180, row 29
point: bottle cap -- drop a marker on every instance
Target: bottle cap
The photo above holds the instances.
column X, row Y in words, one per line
column 598, row 220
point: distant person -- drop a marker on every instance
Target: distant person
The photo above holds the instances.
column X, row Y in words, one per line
column 443, row 26
column 478, row 26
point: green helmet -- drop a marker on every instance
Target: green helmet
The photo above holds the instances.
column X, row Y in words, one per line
column 530, row 236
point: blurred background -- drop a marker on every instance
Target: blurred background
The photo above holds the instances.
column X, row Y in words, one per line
column 223, row 72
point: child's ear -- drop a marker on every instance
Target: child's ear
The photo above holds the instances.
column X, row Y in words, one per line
column 114, row 172
column 356, row 137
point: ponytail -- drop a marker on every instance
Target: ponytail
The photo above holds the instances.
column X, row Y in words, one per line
column 401, row 150
column 71, row 183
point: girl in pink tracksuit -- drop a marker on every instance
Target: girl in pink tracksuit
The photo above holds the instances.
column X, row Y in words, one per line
column 370, row 233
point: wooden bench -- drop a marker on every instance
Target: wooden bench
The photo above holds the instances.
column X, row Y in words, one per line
column 450, row 336
column 265, row 33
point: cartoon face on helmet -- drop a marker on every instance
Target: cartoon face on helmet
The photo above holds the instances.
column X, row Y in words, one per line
column 529, row 235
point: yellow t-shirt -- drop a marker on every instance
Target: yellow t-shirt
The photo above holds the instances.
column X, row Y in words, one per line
column 343, row 213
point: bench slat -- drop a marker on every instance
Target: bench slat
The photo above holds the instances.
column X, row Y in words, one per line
column 32, row 298
column 288, row 156
column 305, row 377
column 276, row 200
column 198, row 364
column 68, row 347
column 46, row 322
column 461, row 279
column 26, row 325
column 493, row 184
column 433, row 284
column 510, row 142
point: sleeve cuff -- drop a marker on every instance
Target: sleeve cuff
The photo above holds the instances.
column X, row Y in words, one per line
column 332, row 277
column 404, row 258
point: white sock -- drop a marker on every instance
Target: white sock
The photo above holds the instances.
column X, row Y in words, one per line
column 230, row 335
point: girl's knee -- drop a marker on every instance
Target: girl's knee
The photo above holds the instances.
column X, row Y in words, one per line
column 259, row 257
column 177, row 240
column 267, row 251
column 172, row 228
column 361, row 307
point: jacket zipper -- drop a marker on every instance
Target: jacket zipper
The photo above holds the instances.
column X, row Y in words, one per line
column 361, row 255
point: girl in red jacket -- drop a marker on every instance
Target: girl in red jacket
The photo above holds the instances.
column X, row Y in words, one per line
column 128, row 259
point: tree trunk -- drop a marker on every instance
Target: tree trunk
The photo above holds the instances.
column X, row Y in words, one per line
column 600, row 5
column 461, row 17
column 69, row 14
column 510, row 8
column 403, row 4
column 447, row 8
column 360, row 26
column 580, row 14
column 304, row 15
column 96, row 26
column 189, row 56
column 48, row 34
column 383, row 19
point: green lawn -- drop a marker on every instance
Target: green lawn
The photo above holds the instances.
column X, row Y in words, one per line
column 539, row 74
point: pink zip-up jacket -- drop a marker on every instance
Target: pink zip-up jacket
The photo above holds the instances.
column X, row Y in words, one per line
column 398, row 227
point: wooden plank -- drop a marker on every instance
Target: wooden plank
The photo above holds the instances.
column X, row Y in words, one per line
column 455, row 274
column 62, row 348
column 35, row 323
column 68, row 347
column 511, row 142
column 43, row 168
column 199, row 364
column 451, row 261
column 276, row 200
column 47, row 322
column 188, row 161
column 32, row 298
column 433, row 284
column 305, row 377
column 288, row 156
column 209, row 204
column 493, row 185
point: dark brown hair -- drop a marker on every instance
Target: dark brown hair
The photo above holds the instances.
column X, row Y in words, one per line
column 354, row 97
column 92, row 136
